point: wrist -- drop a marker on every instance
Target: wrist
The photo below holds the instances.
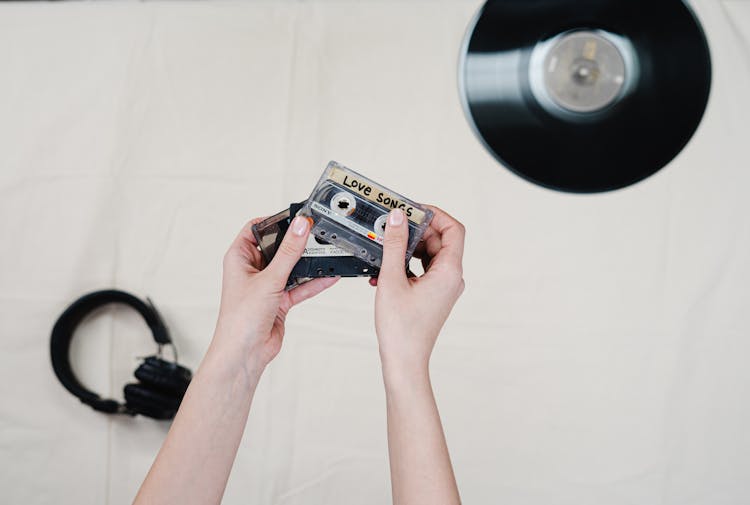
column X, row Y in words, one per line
column 403, row 357
column 233, row 326
column 401, row 374
column 235, row 354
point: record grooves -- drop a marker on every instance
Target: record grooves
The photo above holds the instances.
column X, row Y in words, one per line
column 585, row 96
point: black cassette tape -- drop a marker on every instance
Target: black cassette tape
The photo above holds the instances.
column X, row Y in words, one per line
column 320, row 259
column 350, row 211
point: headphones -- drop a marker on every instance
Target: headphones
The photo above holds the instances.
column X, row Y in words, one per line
column 162, row 384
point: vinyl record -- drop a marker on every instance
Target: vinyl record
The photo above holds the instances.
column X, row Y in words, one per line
column 585, row 95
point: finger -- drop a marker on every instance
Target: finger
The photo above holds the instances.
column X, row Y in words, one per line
column 431, row 247
column 393, row 268
column 427, row 249
column 290, row 250
column 310, row 289
column 451, row 235
column 245, row 245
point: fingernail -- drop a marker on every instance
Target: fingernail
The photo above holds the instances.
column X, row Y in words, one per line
column 300, row 225
column 396, row 217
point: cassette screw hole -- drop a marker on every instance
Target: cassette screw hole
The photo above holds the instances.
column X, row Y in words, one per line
column 330, row 270
column 322, row 232
column 363, row 252
column 333, row 236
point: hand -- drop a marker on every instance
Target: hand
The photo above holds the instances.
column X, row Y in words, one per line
column 410, row 311
column 195, row 460
column 254, row 303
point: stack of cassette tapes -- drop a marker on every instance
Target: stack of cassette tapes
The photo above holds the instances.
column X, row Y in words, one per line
column 349, row 213
column 320, row 259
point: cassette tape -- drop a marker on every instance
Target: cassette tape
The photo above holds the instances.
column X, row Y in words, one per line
column 350, row 211
column 320, row 258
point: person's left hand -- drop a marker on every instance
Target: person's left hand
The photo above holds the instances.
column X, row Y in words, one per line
column 254, row 303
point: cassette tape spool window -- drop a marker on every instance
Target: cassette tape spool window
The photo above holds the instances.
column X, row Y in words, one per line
column 343, row 203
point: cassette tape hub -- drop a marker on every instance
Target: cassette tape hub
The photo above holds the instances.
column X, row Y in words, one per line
column 350, row 211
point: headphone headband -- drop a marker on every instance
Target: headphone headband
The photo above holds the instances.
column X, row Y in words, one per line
column 62, row 334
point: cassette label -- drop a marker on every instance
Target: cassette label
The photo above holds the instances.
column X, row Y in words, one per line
column 376, row 194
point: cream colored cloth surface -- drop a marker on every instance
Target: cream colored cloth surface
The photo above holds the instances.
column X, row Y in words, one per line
column 598, row 356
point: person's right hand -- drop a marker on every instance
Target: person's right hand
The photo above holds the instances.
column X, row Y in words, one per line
column 410, row 311
column 254, row 302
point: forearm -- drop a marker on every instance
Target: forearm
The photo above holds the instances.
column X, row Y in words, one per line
column 421, row 471
column 196, row 458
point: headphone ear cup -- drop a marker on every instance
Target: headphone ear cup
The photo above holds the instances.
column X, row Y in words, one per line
column 151, row 403
column 161, row 388
column 164, row 376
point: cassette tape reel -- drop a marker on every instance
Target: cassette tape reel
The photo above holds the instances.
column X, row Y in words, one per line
column 350, row 211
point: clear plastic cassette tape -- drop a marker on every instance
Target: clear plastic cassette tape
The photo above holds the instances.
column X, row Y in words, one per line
column 320, row 258
column 350, row 211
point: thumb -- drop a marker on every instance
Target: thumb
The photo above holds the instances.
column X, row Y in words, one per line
column 393, row 267
column 290, row 250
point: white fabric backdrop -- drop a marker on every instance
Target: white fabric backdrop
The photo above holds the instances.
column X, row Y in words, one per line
column 598, row 355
